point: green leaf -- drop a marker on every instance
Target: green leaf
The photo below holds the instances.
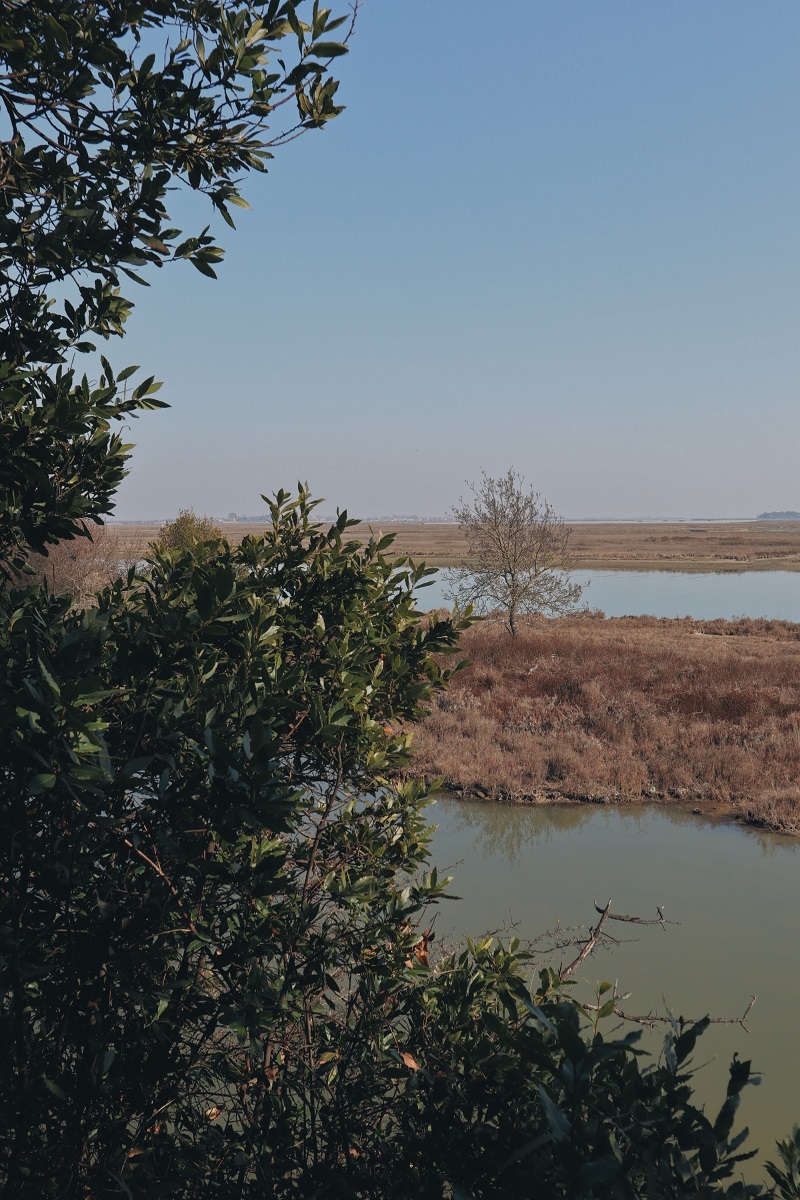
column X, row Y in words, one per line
column 41, row 783
column 57, row 31
column 558, row 1122
column 203, row 267
column 329, row 49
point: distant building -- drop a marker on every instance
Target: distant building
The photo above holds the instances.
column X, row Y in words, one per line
column 779, row 516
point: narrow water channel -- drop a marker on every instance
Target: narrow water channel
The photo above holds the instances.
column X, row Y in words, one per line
column 735, row 893
column 705, row 596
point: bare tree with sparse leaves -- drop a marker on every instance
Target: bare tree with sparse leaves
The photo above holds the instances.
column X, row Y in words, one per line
column 519, row 559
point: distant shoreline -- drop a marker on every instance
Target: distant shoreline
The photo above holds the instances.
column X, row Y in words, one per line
column 681, row 566
column 692, row 546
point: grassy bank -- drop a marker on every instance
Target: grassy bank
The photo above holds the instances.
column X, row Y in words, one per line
column 633, row 546
column 629, row 709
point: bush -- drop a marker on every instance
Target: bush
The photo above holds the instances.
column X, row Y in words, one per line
column 189, row 532
column 200, row 901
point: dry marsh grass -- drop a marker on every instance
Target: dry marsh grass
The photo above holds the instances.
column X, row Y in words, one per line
column 728, row 546
column 732, row 546
column 626, row 709
column 761, row 545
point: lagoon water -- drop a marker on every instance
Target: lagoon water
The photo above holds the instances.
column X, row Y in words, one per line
column 771, row 594
column 735, row 893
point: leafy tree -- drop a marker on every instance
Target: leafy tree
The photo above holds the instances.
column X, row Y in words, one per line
column 188, row 531
column 201, row 905
column 518, row 549
column 106, row 108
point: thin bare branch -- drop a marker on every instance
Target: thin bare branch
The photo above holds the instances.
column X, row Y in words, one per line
column 519, row 558
column 651, row 1019
column 589, row 944
column 659, row 920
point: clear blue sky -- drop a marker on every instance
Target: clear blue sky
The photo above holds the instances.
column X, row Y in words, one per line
column 558, row 235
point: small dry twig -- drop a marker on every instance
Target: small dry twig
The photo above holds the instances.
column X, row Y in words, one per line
column 596, row 932
column 659, row 920
column 652, row 1019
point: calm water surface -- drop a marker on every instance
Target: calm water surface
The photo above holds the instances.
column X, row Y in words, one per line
column 772, row 594
column 735, row 892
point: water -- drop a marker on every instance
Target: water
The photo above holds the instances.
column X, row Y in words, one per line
column 771, row 594
column 735, row 892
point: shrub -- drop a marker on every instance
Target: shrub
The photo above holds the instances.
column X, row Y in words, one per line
column 188, row 532
column 201, row 908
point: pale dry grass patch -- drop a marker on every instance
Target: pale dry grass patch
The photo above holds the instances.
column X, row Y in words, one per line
column 624, row 709
column 778, row 808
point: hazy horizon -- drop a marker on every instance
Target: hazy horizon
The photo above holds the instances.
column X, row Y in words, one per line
column 568, row 243
column 433, row 519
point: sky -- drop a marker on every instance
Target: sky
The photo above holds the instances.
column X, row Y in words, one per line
column 560, row 237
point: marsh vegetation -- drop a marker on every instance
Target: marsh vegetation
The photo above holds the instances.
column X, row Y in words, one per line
column 714, row 546
column 626, row 709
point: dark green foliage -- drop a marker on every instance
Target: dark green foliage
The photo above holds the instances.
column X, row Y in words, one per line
column 513, row 1094
column 104, row 109
column 786, row 1177
column 195, row 881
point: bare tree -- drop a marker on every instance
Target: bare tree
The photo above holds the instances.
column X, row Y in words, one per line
column 518, row 550
column 82, row 566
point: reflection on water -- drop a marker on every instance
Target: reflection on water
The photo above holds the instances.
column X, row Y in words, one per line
column 734, row 892
column 505, row 836
column 771, row 594
column 508, row 831
column 771, row 844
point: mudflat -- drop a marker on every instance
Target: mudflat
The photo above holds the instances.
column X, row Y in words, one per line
column 634, row 546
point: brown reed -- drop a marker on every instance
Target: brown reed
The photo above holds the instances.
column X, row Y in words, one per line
column 626, row 709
